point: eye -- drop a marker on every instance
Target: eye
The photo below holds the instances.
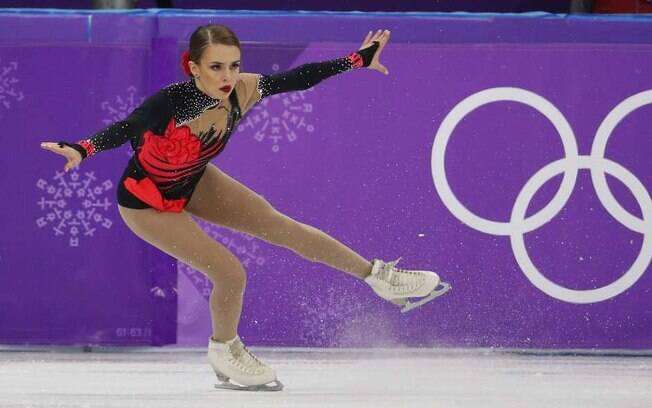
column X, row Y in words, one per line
column 236, row 66
column 216, row 67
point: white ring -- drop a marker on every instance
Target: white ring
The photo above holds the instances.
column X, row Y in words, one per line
column 448, row 126
column 569, row 166
column 598, row 151
column 591, row 295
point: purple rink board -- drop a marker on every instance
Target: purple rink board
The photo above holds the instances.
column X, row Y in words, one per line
column 482, row 157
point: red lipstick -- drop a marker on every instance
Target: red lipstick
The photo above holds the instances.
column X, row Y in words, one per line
column 225, row 88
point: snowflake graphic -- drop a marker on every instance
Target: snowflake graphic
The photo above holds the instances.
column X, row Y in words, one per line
column 244, row 246
column 75, row 205
column 279, row 117
column 121, row 107
column 8, row 81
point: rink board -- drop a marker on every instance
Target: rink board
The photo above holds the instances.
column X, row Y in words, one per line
column 357, row 156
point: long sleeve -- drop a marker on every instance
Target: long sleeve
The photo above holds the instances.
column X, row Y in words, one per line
column 144, row 117
column 304, row 76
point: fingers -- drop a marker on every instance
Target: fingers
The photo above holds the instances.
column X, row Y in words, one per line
column 382, row 39
column 70, row 165
column 54, row 147
column 380, row 35
column 385, row 38
column 367, row 38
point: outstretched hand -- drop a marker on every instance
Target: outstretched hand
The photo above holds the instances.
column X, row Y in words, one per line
column 382, row 37
column 73, row 156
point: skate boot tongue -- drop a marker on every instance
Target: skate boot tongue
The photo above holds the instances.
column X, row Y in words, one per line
column 381, row 271
column 401, row 280
column 245, row 359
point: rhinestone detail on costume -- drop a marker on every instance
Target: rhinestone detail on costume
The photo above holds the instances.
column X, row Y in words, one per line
column 194, row 101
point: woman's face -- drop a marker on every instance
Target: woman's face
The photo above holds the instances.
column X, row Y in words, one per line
column 218, row 70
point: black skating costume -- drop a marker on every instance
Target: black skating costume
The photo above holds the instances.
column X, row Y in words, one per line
column 179, row 129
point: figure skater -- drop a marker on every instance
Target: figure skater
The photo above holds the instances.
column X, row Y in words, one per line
column 174, row 134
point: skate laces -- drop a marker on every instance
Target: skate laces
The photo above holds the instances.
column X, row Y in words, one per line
column 400, row 280
column 245, row 359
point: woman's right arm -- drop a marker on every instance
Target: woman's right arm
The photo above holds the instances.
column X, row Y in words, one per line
column 141, row 119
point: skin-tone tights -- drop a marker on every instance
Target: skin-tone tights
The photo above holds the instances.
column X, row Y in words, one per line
column 222, row 200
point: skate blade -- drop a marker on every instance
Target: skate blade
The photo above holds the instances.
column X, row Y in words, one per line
column 226, row 384
column 407, row 305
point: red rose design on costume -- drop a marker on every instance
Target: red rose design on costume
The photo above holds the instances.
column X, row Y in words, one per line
column 164, row 159
column 176, row 146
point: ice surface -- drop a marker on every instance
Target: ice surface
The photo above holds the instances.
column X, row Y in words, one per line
column 176, row 377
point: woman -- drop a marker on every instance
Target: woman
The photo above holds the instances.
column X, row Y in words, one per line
column 175, row 133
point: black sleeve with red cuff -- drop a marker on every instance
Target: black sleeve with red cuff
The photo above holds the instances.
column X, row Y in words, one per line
column 308, row 75
column 152, row 110
column 157, row 109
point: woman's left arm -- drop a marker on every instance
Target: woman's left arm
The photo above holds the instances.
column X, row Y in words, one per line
column 308, row 75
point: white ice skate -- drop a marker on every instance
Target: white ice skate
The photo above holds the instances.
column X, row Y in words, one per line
column 400, row 285
column 238, row 369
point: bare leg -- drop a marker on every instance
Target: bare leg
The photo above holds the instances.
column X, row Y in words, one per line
column 222, row 200
column 179, row 236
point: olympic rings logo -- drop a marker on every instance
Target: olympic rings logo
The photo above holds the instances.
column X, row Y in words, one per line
column 596, row 163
